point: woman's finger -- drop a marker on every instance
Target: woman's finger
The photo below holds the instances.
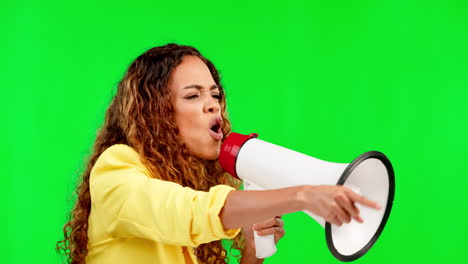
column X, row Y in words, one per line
column 349, row 206
column 269, row 223
column 279, row 222
column 335, row 220
column 342, row 215
column 279, row 235
column 361, row 199
column 275, row 230
column 278, row 232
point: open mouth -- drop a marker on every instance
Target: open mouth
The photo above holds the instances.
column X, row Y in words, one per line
column 215, row 128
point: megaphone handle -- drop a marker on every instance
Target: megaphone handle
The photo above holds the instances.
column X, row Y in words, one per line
column 264, row 245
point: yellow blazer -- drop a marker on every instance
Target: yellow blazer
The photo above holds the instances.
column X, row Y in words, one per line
column 138, row 219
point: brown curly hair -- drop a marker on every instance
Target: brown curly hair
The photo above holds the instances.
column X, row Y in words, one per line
column 141, row 115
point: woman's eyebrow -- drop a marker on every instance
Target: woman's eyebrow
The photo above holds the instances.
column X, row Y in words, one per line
column 199, row 87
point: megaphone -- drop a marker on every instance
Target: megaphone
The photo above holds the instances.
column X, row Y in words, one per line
column 265, row 166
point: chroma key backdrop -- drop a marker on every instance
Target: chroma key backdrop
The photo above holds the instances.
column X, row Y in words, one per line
column 328, row 78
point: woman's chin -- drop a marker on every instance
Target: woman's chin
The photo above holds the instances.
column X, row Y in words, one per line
column 212, row 156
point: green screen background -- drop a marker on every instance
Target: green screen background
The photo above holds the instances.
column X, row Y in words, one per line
column 331, row 79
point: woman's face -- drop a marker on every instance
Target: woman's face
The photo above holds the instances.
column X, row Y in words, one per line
column 195, row 97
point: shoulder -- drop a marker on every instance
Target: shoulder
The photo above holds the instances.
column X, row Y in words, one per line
column 120, row 150
column 119, row 156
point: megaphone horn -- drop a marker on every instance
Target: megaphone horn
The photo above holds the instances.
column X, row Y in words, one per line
column 265, row 166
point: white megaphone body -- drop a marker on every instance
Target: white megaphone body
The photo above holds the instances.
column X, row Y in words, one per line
column 265, row 166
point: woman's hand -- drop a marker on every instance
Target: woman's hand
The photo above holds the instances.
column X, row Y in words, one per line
column 271, row 226
column 336, row 204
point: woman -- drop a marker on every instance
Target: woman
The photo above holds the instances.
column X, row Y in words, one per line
column 153, row 191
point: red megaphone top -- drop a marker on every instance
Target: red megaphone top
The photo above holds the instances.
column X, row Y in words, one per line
column 230, row 149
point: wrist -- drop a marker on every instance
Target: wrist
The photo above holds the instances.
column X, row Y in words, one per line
column 248, row 255
column 300, row 199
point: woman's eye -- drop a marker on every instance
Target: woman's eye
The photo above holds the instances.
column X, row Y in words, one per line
column 217, row 96
column 192, row 96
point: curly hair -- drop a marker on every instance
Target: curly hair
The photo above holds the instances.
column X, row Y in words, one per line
column 141, row 115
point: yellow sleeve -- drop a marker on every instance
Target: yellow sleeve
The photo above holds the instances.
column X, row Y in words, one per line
column 131, row 204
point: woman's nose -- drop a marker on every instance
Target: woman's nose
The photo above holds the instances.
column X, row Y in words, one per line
column 212, row 106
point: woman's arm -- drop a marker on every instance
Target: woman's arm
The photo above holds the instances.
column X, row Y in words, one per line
column 244, row 208
column 336, row 204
